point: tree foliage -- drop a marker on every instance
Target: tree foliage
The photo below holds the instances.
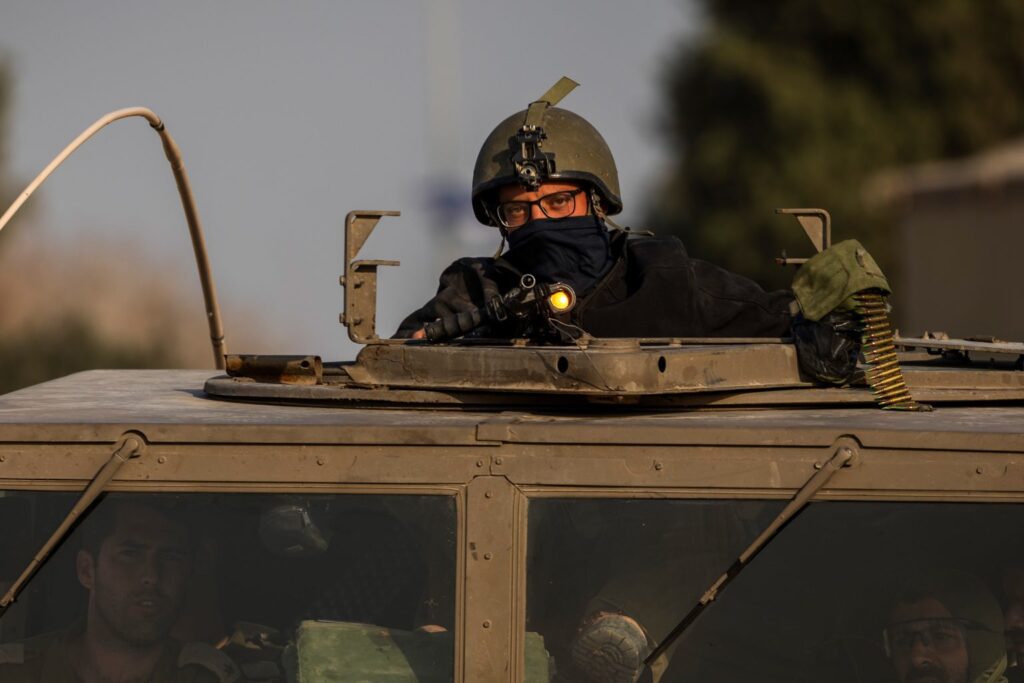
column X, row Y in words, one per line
column 67, row 345
column 799, row 102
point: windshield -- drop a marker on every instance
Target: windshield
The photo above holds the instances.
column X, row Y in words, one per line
column 849, row 592
column 278, row 586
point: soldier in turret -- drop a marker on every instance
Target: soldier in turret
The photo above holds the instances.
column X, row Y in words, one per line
column 546, row 180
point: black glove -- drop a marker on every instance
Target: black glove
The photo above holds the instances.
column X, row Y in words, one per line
column 827, row 350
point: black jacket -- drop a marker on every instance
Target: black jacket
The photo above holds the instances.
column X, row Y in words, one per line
column 654, row 289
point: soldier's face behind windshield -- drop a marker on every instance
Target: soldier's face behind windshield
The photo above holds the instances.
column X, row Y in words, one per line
column 137, row 578
column 926, row 644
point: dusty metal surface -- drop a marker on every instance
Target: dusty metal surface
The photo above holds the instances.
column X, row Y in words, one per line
column 599, row 369
column 990, row 346
column 346, row 394
column 949, row 428
column 622, row 372
column 935, row 385
column 291, row 370
column 169, row 406
column 491, row 568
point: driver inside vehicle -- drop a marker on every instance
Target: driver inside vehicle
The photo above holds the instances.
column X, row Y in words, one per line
column 135, row 564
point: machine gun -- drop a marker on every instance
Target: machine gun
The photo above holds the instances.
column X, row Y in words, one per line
column 530, row 306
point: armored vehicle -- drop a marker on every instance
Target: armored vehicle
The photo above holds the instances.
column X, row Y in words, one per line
column 489, row 510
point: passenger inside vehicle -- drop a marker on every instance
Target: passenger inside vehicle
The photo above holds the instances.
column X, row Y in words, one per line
column 254, row 586
column 811, row 607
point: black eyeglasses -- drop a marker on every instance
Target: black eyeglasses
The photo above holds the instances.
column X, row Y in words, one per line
column 942, row 634
column 554, row 205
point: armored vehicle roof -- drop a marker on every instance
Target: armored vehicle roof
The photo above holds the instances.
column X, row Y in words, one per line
column 170, row 406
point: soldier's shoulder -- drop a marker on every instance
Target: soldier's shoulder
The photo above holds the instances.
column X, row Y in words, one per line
column 475, row 266
column 471, row 263
column 650, row 250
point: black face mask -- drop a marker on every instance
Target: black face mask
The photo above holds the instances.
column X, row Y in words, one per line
column 573, row 250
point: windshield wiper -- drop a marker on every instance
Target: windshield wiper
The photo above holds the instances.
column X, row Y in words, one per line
column 842, row 457
column 130, row 445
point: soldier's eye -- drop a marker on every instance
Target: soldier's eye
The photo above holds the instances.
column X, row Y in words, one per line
column 903, row 641
column 945, row 637
column 174, row 556
column 558, row 200
column 513, row 214
column 129, row 553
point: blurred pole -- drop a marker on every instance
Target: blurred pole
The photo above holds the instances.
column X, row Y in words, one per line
column 455, row 232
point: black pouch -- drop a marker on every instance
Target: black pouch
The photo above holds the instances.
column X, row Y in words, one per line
column 827, row 349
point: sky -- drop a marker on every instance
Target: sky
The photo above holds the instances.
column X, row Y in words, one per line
column 289, row 115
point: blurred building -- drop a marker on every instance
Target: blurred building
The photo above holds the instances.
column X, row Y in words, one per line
column 960, row 232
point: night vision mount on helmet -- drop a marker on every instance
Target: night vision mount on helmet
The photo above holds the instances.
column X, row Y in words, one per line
column 543, row 143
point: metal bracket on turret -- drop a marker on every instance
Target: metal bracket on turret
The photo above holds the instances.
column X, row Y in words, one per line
column 360, row 278
column 817, row 223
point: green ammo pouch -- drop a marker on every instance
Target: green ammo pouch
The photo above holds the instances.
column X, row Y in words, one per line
column 828, row 281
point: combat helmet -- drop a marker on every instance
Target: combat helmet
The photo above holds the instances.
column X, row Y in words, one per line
column 543, row 143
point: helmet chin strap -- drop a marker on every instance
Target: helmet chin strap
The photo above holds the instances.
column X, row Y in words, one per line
column 501, row 247
column 595, row 203
column 501, row 228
